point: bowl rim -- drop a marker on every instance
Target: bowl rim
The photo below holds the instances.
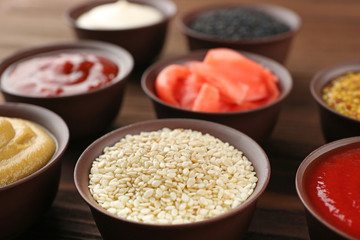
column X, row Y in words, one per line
column 133, row 128
column 89, row 5
column 198, row 53
column 314, row 156
column 262, row 7
column 93, row 46
column 61, row 147
column 323, row 76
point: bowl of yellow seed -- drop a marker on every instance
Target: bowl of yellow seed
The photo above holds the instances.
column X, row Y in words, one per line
column 337, row 91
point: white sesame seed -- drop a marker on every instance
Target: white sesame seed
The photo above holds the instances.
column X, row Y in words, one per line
column 171, row 177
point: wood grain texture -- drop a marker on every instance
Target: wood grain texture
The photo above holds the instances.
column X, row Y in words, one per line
column 330, row 34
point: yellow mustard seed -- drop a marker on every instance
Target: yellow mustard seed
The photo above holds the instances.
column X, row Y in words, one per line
column 343, row 94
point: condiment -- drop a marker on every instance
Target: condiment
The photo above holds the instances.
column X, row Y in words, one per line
column 225, row 81
column 238, row 23
column 25, row 147
column 332, row 184
column 119, row 15
column 171, row 176
column 343, row 94
column 60, row 74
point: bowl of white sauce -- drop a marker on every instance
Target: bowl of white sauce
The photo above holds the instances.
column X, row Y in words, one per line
column 140, row 26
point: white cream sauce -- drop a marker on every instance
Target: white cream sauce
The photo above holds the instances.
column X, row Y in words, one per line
column 119, row 15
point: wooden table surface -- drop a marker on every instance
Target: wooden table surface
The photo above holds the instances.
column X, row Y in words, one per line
column 330, row 34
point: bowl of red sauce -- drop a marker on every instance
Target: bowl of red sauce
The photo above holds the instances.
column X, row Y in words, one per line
column 336, row 90
column 82, row 81
column 239, row 89
column 327, row 182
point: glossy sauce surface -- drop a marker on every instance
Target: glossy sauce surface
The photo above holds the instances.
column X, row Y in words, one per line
column 333, row 185
column 60, row 74
column 120, row 15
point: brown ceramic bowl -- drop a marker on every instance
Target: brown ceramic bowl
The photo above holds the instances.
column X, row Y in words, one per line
column 87, row 113
column 334, row 124
column 230, row 225
column 275, row 47
column 144, row 43
column 319, row 226
column 257, row 123
column 23, row 202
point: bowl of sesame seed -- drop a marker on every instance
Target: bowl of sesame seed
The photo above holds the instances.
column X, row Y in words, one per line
column 336, row 90
column 172, row 179
column 260, row 28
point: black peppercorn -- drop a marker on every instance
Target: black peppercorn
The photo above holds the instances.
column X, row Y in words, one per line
column 238, row 23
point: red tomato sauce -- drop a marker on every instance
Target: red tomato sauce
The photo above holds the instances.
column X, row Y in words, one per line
column 60, row 74
column 333, row 185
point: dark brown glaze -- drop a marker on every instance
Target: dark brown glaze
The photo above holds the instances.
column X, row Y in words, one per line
column 319, row 227
column 231, row 225
column 317, row 230
column 257, row 123
column 144, row 43
column 334, row 124
column 276, row 47
column 88, row 113
column 23, row 202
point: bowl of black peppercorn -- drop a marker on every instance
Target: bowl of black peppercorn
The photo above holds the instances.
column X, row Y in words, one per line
column 264, row 29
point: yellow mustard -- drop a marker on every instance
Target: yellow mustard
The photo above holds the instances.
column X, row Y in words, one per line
column 25, row 147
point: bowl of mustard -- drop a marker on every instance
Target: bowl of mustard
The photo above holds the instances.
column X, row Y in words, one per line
column 337, row 93
column 32, row 142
